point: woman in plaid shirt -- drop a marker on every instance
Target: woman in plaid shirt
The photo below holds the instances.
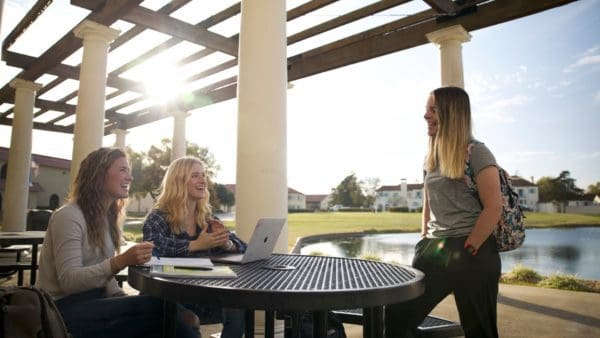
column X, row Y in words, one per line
column 181, row 225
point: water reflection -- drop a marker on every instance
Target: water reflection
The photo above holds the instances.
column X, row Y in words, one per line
column 548, row 251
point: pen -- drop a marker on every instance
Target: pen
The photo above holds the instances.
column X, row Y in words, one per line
column 155, row 253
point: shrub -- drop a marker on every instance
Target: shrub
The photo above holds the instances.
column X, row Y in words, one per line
column 295, row 211
column 399, row 209
column 522, row 274
column 563, row 282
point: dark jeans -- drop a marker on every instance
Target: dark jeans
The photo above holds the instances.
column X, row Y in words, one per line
column 233, row 320
column 448, row 268
column 90, row 314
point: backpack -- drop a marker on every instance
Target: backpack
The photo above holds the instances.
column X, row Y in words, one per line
column 29, row 312
column 510, row 232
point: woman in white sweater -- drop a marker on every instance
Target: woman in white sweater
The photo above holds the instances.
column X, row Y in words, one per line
column 78, row 261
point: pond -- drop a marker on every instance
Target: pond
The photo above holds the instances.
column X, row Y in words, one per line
column 557, row 250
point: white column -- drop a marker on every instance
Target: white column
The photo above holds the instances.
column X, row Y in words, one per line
column 19, row 156
column 261, row 183
column 178, row 148
column 120, row 137
column 450, row 41
column 89, row 123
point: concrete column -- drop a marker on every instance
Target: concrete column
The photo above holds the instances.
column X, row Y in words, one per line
column 19, row 157
column 450, row 41
column 89, row 125
column 261, row 183
column 120, row 137
column 178, row 148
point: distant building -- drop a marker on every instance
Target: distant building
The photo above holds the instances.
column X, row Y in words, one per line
column 317, row 202
column 411, row 195
column 50, row 179
column 405, row 195
column 528, row 192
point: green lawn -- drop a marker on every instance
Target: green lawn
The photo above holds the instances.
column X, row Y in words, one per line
column 305, row 224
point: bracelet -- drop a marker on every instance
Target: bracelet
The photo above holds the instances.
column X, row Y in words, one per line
column 229, row 245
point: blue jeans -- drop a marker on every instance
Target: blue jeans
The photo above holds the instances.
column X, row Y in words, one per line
column 233, row 320
column 91, row 314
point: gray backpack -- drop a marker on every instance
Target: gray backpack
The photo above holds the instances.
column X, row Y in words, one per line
column 29, row 312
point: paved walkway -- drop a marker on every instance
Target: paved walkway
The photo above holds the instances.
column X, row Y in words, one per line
column 525, row 311
column 522, row 312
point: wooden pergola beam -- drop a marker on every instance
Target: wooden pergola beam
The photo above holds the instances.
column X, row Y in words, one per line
column 407, row 33
column 180, row 29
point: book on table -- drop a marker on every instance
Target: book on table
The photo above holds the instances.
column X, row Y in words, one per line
column 180, row 261
column 174, row 271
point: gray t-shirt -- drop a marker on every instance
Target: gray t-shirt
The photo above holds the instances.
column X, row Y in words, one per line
column 453, row 210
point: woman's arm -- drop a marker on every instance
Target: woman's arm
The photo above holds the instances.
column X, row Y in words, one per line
column 425, row 214
column 68, row 233
column 488, row 188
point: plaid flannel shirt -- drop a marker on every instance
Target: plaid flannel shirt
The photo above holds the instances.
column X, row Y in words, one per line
column 157, row 230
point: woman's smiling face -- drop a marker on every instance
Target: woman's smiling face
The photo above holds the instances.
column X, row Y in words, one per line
column 431, row 116
column 197, row 183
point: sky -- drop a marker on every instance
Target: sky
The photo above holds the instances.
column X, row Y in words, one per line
column 534, row 85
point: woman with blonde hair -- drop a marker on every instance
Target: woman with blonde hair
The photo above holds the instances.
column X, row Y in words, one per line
column 81, row 255
column 181, row 224
column 457, row 251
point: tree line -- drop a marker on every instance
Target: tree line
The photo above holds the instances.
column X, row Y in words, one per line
column 148, row 169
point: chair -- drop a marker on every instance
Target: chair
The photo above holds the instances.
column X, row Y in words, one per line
column 431, row 327
column 10, row 264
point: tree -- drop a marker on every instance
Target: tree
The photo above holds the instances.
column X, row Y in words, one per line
column 369, row 186
column 348, row 193
column 559, row 189
column 594, row 188
column 150, row 167
column 224, row 196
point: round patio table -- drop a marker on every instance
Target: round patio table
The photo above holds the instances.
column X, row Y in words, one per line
column 292, row 283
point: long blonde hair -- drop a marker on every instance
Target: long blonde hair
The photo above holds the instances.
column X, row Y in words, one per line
column 448, row 147
column 174, row 194
column 88, row 190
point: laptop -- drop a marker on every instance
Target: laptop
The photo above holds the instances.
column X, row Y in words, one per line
column 261, row 243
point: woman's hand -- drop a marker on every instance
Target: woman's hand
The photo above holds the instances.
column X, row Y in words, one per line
column 136, row 255
column 207, row 240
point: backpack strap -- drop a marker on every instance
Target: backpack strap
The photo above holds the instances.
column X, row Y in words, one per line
column 469, row 176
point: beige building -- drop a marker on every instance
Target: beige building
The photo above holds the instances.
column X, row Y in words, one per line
column 49, row 180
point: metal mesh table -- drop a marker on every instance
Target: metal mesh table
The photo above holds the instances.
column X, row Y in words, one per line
column 296, row 283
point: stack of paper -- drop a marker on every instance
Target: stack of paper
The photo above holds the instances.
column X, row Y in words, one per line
column 179, row 261
column 220, row 271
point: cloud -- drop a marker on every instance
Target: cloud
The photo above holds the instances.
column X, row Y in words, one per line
column 532, row 155
column 591, row 155
column 560, row 85
column 589, row 57
column 515, row 100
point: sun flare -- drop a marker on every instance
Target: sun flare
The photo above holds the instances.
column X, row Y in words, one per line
column 163, row 84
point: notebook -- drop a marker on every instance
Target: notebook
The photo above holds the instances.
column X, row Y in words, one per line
column 261, row 243
column 217, row 271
